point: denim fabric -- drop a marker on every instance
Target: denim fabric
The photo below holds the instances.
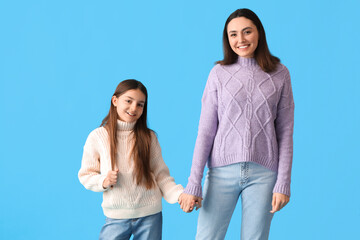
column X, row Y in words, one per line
column 222, row 189
column 144, row 228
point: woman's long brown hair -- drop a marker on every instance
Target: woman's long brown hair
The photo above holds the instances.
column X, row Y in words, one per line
column 142, row 135
column 266, row 61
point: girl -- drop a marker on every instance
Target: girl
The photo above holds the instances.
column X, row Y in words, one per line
column 245, row 135
column 122, row 158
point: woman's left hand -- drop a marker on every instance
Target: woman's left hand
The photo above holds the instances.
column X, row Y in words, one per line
column 188, row 202
column 279, row 201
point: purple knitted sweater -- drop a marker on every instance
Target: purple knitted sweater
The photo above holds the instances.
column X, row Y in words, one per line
column 247, row 115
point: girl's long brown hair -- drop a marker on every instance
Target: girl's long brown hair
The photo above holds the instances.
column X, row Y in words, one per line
column 266, row 61
column 142, row 135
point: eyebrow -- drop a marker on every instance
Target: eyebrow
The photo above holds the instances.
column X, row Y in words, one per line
column 241, row 30
column 135, row 99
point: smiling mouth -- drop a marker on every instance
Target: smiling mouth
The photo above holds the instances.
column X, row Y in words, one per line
column 132, row 115
column 242, row 47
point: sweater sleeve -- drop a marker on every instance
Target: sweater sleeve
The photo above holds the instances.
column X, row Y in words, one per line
column 207, row 129
column 169, row 189
column 89, row 173
column 284, row 126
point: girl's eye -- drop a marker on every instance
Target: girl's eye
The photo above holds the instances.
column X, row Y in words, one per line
column 141, row 105
column 247, row 32
column 233, row 35
column 128, row 101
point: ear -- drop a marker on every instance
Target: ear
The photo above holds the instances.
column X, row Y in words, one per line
column 114, row 100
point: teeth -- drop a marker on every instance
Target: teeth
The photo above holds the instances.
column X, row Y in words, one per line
column 243, row 46
column 130, row 114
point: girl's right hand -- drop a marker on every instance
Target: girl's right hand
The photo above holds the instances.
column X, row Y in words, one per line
column 110, row 179
column 188, row 202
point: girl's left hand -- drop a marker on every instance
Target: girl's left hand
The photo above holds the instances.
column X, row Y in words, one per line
column 279, row 201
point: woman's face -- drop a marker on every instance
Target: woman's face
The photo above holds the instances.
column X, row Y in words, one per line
column 243, row 36
column 130, row 105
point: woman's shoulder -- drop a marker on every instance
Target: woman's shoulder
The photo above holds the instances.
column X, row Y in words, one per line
column 281, row 68
column 219, row 67
column 214, row 72
column 280, row 72
column 214, row 69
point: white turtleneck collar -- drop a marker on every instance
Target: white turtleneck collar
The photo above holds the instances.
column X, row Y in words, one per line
column 125, row 126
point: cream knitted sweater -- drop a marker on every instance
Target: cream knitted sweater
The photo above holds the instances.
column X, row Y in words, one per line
column 126, row 199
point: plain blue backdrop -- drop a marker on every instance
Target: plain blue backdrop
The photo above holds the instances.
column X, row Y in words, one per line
column 60, row 62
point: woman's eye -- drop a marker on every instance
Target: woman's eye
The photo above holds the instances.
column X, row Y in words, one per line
column 233, row 35
column 141, row 105
column 128, row 101
column 247, row 32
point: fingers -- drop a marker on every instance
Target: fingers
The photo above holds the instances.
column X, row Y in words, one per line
column 275, row 205
column 279, row 201
column 113, row 175
column 187, row 206
column 191, row 207
column 111, row 178
column 198, row 203
column 187, row 202
column 180, row 199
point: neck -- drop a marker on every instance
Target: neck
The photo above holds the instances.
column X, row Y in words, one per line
column 125, row 126
column 246, row 61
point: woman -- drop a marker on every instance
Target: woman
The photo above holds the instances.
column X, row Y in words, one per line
column 245, row 135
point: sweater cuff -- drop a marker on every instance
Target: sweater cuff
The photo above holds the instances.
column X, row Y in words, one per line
column 282, row 188
column 193, row 190
column 173, row 195
column 101, row 180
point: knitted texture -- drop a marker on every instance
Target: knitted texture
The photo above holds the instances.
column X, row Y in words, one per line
column 247, row 115
column 126, row 199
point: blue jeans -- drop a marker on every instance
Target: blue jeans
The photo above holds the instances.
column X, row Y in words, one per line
column 222, row 189
column 144, row 228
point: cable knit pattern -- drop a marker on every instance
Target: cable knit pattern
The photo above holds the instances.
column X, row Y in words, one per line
column 247, row 115
column 125, row 199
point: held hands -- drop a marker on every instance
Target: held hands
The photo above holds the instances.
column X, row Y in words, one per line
column 188, row 202
column 111, row 178
column 279, row 201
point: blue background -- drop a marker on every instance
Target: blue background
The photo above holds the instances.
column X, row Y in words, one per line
column 60, row 62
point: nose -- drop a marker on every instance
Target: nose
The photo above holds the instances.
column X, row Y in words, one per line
column 133, row 107
column 241, row 38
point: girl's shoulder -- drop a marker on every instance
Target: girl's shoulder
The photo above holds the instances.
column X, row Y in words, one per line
column 154, row 139
column 96, row 139
column 153, row 135
column 98, row 133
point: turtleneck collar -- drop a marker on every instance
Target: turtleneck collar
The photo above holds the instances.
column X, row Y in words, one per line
column 246, row 61
column 125, row 126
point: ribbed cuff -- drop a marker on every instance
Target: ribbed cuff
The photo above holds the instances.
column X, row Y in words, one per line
column 101, row 180
column 193, row 190
column 173, row 195
column 282, row 188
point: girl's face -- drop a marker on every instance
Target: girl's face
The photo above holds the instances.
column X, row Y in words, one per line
column 129, row 105
column 243, row 36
